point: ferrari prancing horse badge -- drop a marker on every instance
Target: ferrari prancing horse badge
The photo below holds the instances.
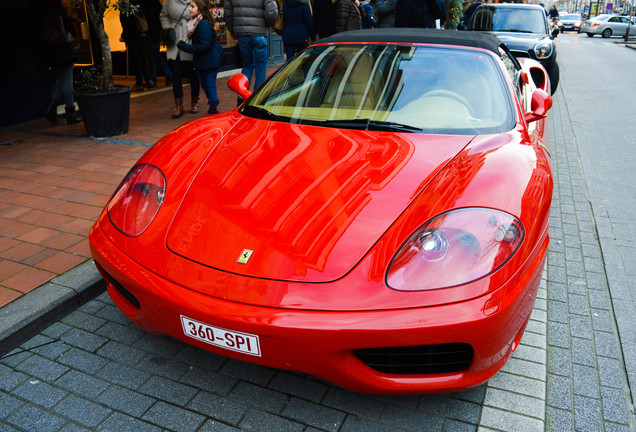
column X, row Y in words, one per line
column 245, row 256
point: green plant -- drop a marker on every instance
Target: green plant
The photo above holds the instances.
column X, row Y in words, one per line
column 92, row 79
column 96, row 11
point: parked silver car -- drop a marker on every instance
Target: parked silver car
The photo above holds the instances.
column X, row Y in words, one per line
column 607, row 25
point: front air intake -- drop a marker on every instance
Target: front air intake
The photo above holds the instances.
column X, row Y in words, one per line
column 418, row 360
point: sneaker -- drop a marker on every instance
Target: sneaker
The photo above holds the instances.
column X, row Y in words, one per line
column 151, row 84
column 138, row 87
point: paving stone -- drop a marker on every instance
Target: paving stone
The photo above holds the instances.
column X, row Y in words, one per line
column 167, row 390
column 314, row 415
column 514, row 383
column 259, row 421
column 122, row 353
column 611, row 372
column 558, row 420
column 457, row 426
column 615, row 406
column 262, row 398
column 157, row 345
column 248, row 372
column 200, row 358
column 120, row 333
column 126, row 401
column 215, row 426
column 81, row 384
column 514, row 402
column 173, row 418
column 39, row 393
column 42, row 368
column 34, row 419
column 163, row 366
column 508, row 421
column 605, row 344
column 56, row 330
column 123, row 375
column 298, row 386
column 82, row 360
column 83, row 339
column 582, row 352
column 587, row 414
column 118, row 422
column 112, row 313
column 9, row 378
column 218, row 408
column 209, row 381
column 358, row 424
column 580, row 326
column 559, row 392
column 411, row 420
column 82, row 411
column 359, row 404
column 8, row 404
column 585, row 381
column 83, row 321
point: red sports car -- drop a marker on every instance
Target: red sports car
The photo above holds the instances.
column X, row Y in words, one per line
column 375, row 214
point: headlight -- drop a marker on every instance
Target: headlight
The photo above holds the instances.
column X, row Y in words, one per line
column 455, row 248
column 137, row 199
column 543, row 49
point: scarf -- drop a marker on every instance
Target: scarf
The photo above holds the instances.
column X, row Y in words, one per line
column 192, row 24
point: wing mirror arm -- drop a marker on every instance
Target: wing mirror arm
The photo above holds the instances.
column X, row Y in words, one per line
column 540, row 104
column 239, row 83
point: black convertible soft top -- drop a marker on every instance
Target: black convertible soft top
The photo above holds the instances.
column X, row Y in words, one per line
column 417, row 35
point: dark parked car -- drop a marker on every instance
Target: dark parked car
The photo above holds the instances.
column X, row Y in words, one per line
column 569, row 22
column 524, row 29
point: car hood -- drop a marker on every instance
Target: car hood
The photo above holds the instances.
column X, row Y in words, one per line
column 301, row 203
column 520, row 41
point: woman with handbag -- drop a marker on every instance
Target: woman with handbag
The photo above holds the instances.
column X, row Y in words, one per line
column 200, row 30
column 174, row 15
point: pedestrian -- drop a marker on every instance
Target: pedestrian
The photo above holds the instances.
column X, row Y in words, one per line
column 385, row 13
column 348, row 15
column 156, row 63
column 248, row 21
column 60, row 56
column 174, row 15
column 200, row 30
column 134, row 35
column 324, row 15
column 417, row 13
column 469, row 12
column 298, row 29
column 367, row 17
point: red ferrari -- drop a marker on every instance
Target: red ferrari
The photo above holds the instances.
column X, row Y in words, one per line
column 375, row 214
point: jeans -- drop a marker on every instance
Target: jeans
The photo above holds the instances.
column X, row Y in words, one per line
column 156, row 62
column 208, row 82
column 138, row 52
column 254, row 55
column 63, row 85
column 292, row 49
column 177, row 74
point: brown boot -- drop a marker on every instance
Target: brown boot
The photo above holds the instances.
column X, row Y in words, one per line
column 178, row 108
column 195, row 105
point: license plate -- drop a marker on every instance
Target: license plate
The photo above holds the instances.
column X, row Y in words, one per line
column 236, row 341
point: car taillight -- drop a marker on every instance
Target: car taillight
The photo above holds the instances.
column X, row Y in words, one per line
column 137, row 199
column 455, row 248
column 595, row 25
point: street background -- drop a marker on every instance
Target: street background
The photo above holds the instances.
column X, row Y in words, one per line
column 91, row 369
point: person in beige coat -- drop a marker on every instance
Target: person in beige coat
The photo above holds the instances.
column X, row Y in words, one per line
column 175, row 14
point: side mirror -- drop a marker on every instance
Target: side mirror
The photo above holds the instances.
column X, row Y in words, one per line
column 540, row 104
column 555, row 32
column 240, row 84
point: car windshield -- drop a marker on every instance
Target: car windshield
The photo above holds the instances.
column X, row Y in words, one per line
column 403, row 88
column 571, row 17
column 518, row 20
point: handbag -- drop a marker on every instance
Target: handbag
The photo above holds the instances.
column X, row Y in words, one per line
column 141, row 23
column 169, row 36
column 280, row 20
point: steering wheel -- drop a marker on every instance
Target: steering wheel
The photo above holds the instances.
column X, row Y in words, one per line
column 452, row 95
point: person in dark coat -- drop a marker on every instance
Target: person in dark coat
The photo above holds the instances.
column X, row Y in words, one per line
column 201, row 31
column 137, row 48
column 385, row 13
column 348, row 15
column 298, row 28
column 367, row 17
column 324, row 12
column 60, row 58
column 156, row 62
column 417, row 13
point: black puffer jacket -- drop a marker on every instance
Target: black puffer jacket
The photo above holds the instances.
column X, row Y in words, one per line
column 62, row 54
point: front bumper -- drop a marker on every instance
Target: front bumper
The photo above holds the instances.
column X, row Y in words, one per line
column 323, row 343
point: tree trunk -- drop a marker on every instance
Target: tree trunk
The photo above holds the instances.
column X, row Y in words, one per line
column 97, row 19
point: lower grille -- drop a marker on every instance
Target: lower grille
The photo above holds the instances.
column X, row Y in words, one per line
column 418, row 360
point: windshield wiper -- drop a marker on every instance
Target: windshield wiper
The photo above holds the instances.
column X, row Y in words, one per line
column 261, row 113
column 376, row 125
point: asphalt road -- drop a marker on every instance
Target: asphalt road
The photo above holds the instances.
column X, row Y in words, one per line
column 94, row 370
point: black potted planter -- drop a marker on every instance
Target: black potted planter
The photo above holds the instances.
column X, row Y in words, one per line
column 104, row 114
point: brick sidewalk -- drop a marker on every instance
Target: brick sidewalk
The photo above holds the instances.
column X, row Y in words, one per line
column 54, row 182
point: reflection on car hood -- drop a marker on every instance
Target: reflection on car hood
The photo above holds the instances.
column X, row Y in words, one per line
column 302, row 203
column 519, row 41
